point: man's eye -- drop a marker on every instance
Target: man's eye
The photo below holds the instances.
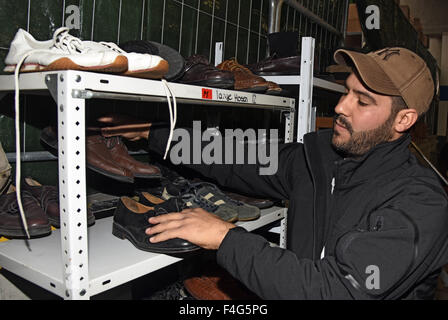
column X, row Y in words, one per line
column 362, row 104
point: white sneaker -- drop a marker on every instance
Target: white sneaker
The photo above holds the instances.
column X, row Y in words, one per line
column 142, row 65
column 63, row 52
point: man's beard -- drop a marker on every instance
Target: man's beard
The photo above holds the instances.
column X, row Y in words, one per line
column 361, row 142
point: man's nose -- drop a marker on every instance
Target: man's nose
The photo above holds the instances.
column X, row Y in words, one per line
column 344, row 105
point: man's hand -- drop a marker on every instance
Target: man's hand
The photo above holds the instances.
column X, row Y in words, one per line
column 194, row 225
column 125, row 126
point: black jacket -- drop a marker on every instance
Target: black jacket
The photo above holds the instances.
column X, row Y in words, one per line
column 382, row 219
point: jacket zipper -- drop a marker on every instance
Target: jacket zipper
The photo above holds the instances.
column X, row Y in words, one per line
column 314, row 200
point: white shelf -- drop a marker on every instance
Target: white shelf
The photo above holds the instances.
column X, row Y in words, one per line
column 296, row 80
column 100, row 85
column 112, row 261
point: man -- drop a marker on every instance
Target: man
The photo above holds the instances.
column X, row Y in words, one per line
column 365, row 220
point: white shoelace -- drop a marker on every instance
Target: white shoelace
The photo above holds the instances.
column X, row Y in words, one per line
column 66, row 42
column 63, row 41
column 173, row 114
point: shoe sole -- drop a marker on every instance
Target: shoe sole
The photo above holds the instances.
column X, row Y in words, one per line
column 153, row 176
column 249, row 219
column 118, row 66
column 121, row 233
column 258, row 89
column 34, row 232
column 221, row 84
column 157, row 72
column 110, row 175
column 284, row 73
column 174, row 58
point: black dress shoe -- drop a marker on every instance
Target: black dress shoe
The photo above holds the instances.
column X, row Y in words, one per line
column 11, row 223
column 131, row 221
column 273, row 66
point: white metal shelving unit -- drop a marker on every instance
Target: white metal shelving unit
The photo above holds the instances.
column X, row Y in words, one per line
column 307, row 82
column 77, row 262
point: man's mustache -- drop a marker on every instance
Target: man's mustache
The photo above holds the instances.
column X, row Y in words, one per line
column 343, row 122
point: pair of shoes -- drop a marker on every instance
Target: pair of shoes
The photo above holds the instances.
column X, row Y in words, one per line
column 245, row 80
column 131, row 220
column 209, row 197
column 199, row 72
column 209, row 192
column 65, row 52
column 110, row 157
column 191, row 201
column 107, row 156
column 48, row 198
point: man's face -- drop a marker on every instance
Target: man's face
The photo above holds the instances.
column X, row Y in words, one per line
column 363, row 119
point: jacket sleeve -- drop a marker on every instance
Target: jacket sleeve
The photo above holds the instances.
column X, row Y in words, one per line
column 288, row 166
column 399, row 246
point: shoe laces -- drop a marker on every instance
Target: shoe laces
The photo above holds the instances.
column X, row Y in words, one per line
column 234, row 66
column 173, row 113
column 66, row 42
column 112, row 46
column 13, row 207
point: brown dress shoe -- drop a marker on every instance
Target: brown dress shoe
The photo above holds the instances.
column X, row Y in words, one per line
column 99, row 159
column 119, row 154
column 11, row 223
column 215, row 283
column 48, row 197
column 245, row 80
column 199, row 72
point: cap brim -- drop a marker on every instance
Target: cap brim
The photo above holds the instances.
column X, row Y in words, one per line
column 370, row 72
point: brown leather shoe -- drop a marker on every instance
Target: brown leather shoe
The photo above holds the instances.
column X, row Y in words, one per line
column 245, row 80
column 198, row 71
column 48, row 197
column 273, row 66
column 119, row 154
column 99, row 159
column 10, row 222
column 215, row 283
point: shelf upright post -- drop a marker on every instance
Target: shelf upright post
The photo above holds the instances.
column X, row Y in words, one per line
column 306, row 88
column 72, row 185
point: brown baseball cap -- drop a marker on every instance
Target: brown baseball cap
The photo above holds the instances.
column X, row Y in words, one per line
column 393, row 72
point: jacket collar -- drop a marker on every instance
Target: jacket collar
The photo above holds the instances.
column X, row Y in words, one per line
column 379, row 160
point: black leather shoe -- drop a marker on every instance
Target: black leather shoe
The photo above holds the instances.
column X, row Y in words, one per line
column 273, row 66
column 131, row 221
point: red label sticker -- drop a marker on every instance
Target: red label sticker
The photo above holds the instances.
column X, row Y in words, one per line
column 207, row 94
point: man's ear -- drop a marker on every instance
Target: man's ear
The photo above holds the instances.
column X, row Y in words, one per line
column 405, row 119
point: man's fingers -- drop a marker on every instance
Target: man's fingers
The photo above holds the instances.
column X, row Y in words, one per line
column 166, row 217
column 164, row 226
column 167, row 235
